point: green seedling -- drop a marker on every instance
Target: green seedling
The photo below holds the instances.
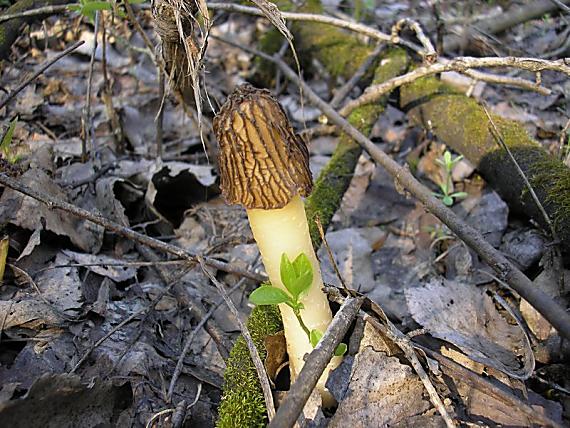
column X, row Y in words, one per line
column 297, row 277
column 89, row 8
column 447, row 195
column 6, row 141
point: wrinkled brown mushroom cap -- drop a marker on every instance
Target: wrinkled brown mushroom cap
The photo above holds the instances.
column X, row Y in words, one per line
column 263, row 163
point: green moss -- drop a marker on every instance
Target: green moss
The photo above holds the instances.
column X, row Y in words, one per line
column 461, row 123
column 242, row 401
column 455, row 117
column 339, row 52
column 550, row 176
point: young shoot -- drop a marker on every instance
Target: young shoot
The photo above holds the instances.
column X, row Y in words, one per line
column 447, row 195
column 6, row 141
column 297, row 277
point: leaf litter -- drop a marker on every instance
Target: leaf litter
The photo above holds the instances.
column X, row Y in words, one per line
column 90, row 282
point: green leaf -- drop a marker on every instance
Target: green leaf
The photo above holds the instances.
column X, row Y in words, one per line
column 7, row 139
column 340, row 350
column 457, row 159
column 297, row 276
column 447, row 200
column 267, row 295
column 304, row 272
column 287, row 272
column 447, row 158
column 459, row 195
column 316, row 335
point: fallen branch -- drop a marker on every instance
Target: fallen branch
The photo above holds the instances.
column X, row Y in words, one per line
column 125, row 232
column 515, row 15
column 507, row 271
column 43, row 67
column 462, row 124
column 44, row 10
column 322, row 19
column 461, row 64
column 295, row 400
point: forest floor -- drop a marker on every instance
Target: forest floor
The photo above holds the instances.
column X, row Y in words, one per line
column 86, row 310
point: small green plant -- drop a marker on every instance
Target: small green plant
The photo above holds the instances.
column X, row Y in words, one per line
column 297, row 277
column 447, row 195
column 88, row 8
column 6, row 141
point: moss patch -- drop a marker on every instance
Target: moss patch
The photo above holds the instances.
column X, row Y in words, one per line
column 242, row 402
column 552, row 178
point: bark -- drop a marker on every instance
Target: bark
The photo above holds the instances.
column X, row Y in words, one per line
column 514, row 16
column 10, row 30
column 462, row 124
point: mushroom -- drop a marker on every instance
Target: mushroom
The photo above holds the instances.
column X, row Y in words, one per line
column 264, row 166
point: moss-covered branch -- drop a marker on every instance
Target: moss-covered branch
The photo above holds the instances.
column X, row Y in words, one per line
column 243, row 404
column 461, row 123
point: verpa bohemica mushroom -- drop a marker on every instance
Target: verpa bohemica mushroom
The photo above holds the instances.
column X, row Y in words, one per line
column 264, row 166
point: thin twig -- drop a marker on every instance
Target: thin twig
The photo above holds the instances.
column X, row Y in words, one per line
column 543, row 303
column 140, row 30
column 330, row 254
column 317, row 361
column 107, row 95
column 341, row 23
column 104, row 338
column 173, row 410
column 190, row 338
column 160, row 115
column 125, row 232
column 259, row 367
column 501, row 141
column 115, row 264
column 45, row 10
column 564, row 137
column 429, row 53
column 407, row 348
column 86, row 129
column 459, row 64
column 344, row 90
column 39, row 71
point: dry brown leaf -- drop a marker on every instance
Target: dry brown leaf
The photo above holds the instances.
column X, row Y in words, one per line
column 30, row 214
column 466, row 316
column 382, row 391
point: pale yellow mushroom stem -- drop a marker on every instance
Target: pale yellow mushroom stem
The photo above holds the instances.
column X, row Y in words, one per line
column 285, row 230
